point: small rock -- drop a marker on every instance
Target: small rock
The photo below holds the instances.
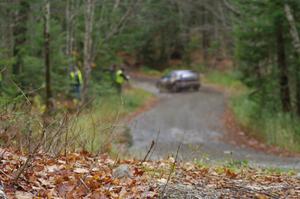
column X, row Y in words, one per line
column 122, row 171
column 162, row 181
column 241, row 133
column 23, row 195
column 53, row 168
column 298, row 176
column 2, row 193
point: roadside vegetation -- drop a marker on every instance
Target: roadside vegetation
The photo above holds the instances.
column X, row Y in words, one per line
column 258, row 119
column 229, row 79
column 103, row 125
column 96, row 127
column 273, row 127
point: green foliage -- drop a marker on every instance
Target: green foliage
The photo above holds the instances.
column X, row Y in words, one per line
column 99, row 125
column 230, row 80
column 150, row 71
column 259, row 113
column 273, row 127
column 257, row 50
column 152, row 32
column 237, row 164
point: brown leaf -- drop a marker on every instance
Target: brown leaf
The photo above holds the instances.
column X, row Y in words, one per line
column 229, row 173
column 138, row 172
column 260, row 196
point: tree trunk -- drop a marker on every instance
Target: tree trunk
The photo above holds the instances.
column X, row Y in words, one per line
column 296, row 42
column 205, row 37
column 70, row 28
column 116, row 5
column 47, row 55
column 7, row 37
column 89, row 15
column 283, row 69
column 68, row 32
column 223, row 37
column 19, row 33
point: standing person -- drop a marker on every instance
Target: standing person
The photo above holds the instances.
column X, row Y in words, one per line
column 76, row 82
column 120, row 79
column 112, row 70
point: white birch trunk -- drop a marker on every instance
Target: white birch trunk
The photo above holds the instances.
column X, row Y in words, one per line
column 87, row 51
column 293, row 28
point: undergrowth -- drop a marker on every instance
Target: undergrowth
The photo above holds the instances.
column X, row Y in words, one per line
column 100, row 126
column 96, row 128
column 260, row 121
column 229, row 80
column 275, row 128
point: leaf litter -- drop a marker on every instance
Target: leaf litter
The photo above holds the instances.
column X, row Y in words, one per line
column 83, row 175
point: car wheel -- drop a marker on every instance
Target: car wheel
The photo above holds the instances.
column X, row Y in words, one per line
column 174, row 88
column 161, row 90
column 196, row 88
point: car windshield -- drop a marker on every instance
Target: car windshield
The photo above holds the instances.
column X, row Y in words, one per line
column 184, row 73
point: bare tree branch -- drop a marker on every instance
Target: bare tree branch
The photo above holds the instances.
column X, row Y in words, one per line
column 231, row 8
column 115, row 30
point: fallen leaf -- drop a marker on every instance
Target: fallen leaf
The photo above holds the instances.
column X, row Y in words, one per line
column 81, row 170
column 23, row 195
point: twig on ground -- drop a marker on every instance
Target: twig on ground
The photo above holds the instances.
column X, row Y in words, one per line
column 3, row 153
column 10, row 177
column 29, row 159
column 116, row 161
column 251, row 191
column 171, row 171
column 150, row 149
column 81, row 181
column 85, row 186
column 156, row 142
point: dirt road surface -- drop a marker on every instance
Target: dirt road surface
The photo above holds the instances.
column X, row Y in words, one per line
column 192, row 120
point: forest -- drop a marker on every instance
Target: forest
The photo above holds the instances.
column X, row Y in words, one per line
column 45, row 38
column 254, row 42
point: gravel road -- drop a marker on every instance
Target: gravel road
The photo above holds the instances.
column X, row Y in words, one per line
column 192, row 120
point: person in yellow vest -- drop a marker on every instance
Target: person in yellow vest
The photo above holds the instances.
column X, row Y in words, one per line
column 76, row 81
column 120, row 79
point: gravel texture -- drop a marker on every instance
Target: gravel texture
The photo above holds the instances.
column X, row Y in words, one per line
column 194, row 120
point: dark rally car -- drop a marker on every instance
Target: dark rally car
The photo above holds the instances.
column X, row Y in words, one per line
column 178, row 80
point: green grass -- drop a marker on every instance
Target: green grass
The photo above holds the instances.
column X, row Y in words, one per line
column 151, row 72
column 229, row 80
column 274, row 128
column 100, row 127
